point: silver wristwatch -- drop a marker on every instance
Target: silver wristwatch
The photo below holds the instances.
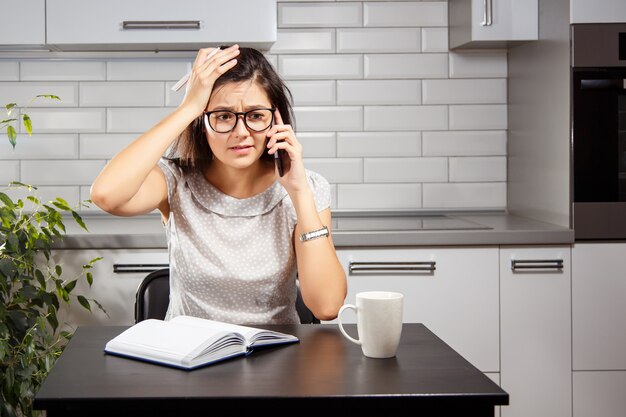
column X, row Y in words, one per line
column 304, row 237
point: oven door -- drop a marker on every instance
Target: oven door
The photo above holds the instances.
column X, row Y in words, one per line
column 599, row 153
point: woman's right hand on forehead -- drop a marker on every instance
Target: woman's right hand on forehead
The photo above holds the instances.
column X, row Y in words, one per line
column 203, row 75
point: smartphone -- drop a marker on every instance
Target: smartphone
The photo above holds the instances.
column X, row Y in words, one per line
column 279, row 157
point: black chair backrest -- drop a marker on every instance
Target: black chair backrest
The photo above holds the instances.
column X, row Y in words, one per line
column 153, row 298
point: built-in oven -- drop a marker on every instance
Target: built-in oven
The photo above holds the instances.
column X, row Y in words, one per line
column 599, row 131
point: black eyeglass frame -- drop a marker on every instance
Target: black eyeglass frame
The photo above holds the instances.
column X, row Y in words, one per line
column 207, row 115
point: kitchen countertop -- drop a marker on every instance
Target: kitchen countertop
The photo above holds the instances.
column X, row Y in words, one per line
column 350, row 229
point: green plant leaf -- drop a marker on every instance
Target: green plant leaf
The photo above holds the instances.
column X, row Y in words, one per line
column 64, row 203
column 33, row 199
column 54, row 300
column 12, row 135
column 51, row 96
column 28, row 292
column 52, row 318
column 7, row 268
column 28, row 124
column 70, row 286
column 79, row 220
column 40, row 278
column 21, row 184
column 93, row 261
column 84, row 302
column 7, row 201
column 63, row 294
column 19, row 320
column 61, row 206
column 58, row 270
column 10, row 107
column 89, row 276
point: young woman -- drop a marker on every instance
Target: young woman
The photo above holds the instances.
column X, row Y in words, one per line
column 237, row 231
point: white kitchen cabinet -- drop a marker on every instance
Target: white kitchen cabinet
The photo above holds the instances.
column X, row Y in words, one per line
column 492, row 23
column 598, row 328
column 597, row 11
column 598, row 308
column 115, row 291
column 458, row 300
column 23, row 24
column 119, row 25
column 535, row 311
column 599, row 394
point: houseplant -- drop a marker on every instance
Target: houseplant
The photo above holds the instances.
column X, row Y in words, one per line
column 32, row 288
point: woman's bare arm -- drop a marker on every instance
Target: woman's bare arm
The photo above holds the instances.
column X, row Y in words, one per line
column 132, row 183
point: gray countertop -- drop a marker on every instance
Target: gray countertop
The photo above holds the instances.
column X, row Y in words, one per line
column 350, row 229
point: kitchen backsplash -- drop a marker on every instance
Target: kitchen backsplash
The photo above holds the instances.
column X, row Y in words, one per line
column 383, row 110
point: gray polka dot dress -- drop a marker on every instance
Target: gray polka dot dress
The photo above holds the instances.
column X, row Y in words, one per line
column 232, row 259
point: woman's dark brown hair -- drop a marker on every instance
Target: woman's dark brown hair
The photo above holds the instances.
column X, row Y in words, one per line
column 191, row 149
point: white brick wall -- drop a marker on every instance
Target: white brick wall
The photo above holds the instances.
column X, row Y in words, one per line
column 383, row 110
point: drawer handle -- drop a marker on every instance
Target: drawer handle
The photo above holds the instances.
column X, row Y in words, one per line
column 519, row 265
column 133, row 268
column 160, row 24
column 356, row 267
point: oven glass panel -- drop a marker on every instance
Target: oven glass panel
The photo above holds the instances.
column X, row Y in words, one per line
column 599, row 135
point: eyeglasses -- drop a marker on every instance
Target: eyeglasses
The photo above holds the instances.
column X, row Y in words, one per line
column 224, row 121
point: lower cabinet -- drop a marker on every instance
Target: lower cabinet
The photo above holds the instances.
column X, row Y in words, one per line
column 115, row 291
column 453, row 291
column 599, row 393
column 535, row 299
column 599, row 330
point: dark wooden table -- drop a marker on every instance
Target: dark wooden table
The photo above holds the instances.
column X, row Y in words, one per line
column 323, row 374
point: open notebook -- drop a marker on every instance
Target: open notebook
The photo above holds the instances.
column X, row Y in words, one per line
column 190, row 342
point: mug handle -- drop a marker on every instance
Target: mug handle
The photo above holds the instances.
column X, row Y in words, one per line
column 345, row 307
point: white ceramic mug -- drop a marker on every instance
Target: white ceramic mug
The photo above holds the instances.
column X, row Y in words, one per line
column 379, row 322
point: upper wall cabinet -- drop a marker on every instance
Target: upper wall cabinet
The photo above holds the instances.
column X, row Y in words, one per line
column 139, row 25
column 23, row 24
column 597, row 11
column 488, row 24
column 159, row 24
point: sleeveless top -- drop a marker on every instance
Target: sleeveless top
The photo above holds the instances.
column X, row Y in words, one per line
column 232, row 259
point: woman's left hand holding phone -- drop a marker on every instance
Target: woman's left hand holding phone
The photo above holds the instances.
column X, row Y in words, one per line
column 282, row 138
column 204, row 72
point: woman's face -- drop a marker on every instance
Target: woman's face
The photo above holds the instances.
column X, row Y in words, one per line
column 241, row 147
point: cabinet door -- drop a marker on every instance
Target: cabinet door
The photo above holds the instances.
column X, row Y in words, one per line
column 458, row 301
column 23, row 23
column 115, row 291
column 599, row 394
column 597, row 11
column 166, row 25
column 505, row 20
column 598, row 308
column 492, row 23
column 536, row 332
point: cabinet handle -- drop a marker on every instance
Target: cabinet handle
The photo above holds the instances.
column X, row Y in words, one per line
column 519, row 265
column 160, row 24
column 356, row 267
column 487, row 13
column 133, row 268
